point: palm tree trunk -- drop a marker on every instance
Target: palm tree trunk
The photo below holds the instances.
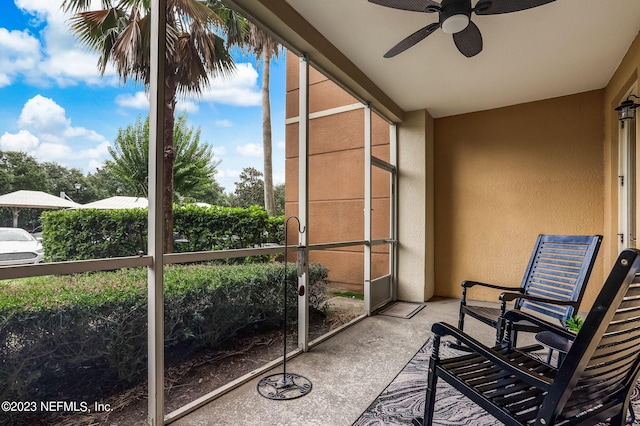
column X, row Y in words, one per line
column 269, row 200
column 169, row 155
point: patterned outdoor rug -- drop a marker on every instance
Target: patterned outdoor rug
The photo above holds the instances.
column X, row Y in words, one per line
column 403, row 399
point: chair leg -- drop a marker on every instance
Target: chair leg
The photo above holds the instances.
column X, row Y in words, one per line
column 621, row 420
column 432, row 382
column 513, row 338
column 461, row 316
column 618, row 420
column 430, row 402
column 500, row 330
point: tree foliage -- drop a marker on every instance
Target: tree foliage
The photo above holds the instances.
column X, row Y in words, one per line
column 194, row 167
column 70, row 181
column 278, row 192
column 20, row 171
column 130, row 157
column 249, row 190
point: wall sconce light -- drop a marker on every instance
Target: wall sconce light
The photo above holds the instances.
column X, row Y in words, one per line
column 627, row 109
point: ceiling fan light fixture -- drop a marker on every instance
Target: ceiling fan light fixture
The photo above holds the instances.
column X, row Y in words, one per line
column 454, row 17
column 455, row 23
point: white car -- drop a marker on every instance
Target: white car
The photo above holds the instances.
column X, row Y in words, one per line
column 18, row 247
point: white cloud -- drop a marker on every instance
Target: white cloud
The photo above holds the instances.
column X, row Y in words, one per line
column 47, row 134
column 91, row 135
column 250, row 150
column 44, row 116
column 187, row 106
column 139, row 100
column 223, row 123
column 99, row 151
column 57, row 56
column 239, row 89
column 94, row 165
column 55, row 152
column 227, row 178
column 19, row 54
column 84, row 68
column 21, row 141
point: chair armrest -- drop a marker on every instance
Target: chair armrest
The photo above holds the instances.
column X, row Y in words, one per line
column 517, row 315
column 508, row 297
column 469, row 284
column 531, row 377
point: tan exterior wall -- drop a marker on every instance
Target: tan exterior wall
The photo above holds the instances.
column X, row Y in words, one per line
column 504, row 176
column 336, row 177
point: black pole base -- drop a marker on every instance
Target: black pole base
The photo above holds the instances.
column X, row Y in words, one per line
column 283, row 386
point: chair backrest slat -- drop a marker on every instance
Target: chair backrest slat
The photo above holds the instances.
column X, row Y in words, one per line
column 604, row 360
column 558, row 269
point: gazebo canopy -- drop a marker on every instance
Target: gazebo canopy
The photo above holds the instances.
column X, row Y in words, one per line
column 35, row 200
column 117, row 203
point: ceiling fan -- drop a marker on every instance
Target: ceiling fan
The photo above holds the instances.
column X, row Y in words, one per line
column 454, row 17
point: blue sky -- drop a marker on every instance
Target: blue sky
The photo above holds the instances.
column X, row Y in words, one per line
column 55, row 106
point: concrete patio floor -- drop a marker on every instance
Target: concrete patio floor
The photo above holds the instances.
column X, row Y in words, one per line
column 347, row 372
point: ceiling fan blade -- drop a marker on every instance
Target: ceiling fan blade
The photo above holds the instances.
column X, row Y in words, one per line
column 414, row 38
column 469, row 40
column 495, row 7
column 428, row 6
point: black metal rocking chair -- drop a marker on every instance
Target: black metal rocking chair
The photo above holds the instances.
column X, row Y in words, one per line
column 593, row 384
column 552, row 286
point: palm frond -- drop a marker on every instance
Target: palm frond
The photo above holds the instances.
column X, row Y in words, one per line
column 261, row 42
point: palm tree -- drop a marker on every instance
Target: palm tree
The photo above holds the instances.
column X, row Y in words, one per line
column 120, row 33
column 265, row 48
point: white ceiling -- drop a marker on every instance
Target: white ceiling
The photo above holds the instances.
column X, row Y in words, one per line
column 565, row 47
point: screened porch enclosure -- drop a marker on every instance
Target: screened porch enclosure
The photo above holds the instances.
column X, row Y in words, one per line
column 398, row 198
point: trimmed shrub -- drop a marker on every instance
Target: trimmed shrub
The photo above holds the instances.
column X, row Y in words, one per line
column 64, row 336
column 93, row 234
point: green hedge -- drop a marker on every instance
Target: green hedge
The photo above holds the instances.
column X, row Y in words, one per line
column 94, row 234
column 219, row 228
column 62, row 335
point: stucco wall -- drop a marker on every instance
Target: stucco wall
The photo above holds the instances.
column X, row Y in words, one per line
column 506, row 175
column 336, row 177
